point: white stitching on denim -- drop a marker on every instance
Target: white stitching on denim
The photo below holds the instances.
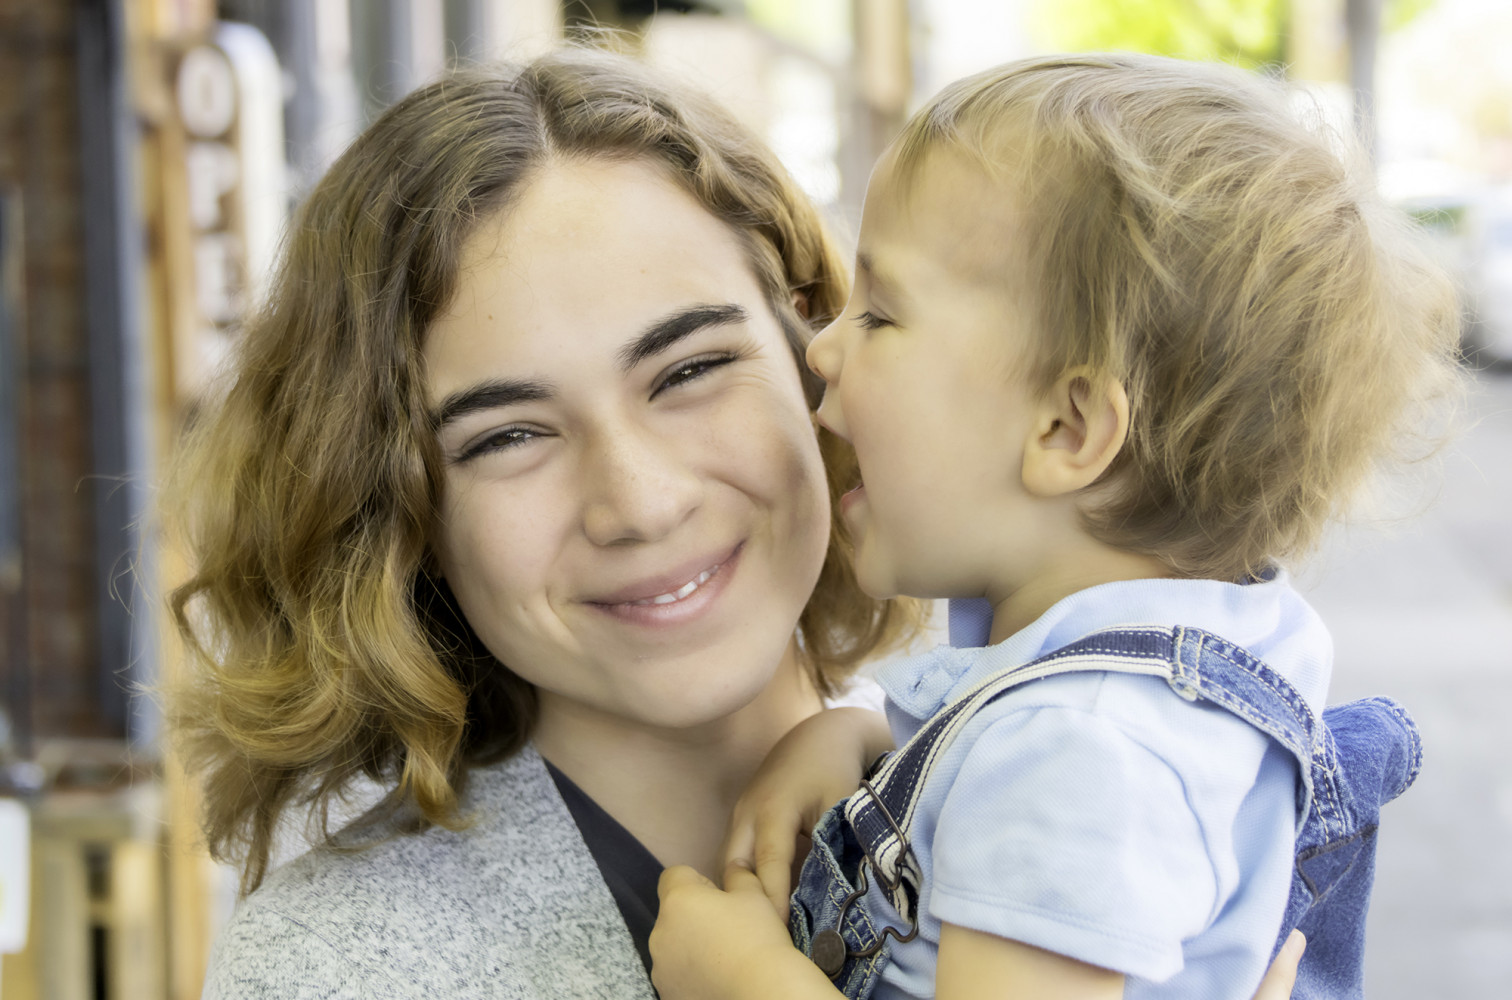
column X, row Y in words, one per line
column 1324, row 799
column 1415, row 738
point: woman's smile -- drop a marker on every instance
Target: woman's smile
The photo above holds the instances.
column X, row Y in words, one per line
column 672, row 604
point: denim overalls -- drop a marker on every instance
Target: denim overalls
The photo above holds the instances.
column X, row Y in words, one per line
column 1360, row 756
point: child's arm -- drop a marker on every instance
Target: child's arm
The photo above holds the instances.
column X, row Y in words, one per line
column 818, row 763
column 713, row 945
column 974, row 965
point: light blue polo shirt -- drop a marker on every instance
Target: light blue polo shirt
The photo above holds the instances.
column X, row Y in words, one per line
column 1100, row 815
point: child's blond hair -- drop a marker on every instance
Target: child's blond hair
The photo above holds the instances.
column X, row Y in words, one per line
column 1188, row 234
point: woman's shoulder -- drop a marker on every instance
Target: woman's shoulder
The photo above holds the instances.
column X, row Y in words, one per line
column 263, row 953
column 463, row 912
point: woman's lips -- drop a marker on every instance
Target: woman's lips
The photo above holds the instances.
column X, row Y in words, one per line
column 681, row 592
column 663, row 602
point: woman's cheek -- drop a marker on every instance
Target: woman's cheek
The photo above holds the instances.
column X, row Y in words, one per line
column 490, row 526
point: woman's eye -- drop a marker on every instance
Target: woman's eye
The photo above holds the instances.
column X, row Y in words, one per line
column 688, row 371
column 496, row 441
column 871, row 321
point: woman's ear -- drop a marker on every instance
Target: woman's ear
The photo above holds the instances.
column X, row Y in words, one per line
column 801, row 303
column 1080, row 425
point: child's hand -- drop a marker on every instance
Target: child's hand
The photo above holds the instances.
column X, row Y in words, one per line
column 711, row 944
column 1278, row 981
column 818, row 763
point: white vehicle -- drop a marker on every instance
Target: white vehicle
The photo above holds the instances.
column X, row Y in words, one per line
column 1470, row 234
column 1488, row 280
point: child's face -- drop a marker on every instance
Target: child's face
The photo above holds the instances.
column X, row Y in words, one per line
column 925, row 378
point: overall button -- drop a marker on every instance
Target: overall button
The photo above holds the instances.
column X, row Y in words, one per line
column 828, row 952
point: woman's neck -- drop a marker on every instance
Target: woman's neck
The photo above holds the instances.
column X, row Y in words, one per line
column 673, row 789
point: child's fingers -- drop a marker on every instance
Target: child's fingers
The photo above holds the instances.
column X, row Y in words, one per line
column 773, row 861
column 1279, row 978
column 740, row 840
column 738, row 878
column 762, row 837
column 680, row 877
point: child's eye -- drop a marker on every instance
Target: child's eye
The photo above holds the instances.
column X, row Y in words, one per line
column 503, row 439
column 871, row 321
column 688, row 371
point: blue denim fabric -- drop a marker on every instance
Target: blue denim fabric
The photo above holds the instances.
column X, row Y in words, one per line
column 832, row 872
column 1375, row 753
column 1352, row 761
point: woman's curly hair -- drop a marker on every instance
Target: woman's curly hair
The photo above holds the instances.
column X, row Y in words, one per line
column 321, row 648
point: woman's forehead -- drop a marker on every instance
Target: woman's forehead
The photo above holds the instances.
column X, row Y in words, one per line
column 589, row 253
column 566, row 200
column 590, row 224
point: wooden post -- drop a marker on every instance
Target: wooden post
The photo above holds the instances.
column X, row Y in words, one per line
column 1362, row 20
column 1316, row 46
column 60, row 924
column 158, row 31
column 882, row 71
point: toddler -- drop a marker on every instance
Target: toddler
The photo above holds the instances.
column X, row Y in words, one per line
column 1124, row 335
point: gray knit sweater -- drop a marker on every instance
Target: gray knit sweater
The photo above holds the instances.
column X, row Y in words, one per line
column 513, row 907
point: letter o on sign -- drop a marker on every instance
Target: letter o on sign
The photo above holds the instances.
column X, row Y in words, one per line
column 206, row 91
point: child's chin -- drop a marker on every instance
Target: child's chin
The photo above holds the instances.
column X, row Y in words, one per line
column 875, row 582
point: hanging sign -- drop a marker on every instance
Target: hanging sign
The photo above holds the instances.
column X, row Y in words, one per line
column 229, row 97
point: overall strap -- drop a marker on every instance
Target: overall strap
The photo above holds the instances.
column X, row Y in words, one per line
column 1196, row 665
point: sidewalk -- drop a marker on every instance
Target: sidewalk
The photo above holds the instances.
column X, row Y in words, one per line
column 1422, row 611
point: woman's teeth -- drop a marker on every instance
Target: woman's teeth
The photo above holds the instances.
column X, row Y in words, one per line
column 679, row 593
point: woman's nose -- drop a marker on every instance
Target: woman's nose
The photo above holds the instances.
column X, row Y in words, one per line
column 824, row 352
column 639, row 486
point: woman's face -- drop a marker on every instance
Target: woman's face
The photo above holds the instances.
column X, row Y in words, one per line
column 634, row 510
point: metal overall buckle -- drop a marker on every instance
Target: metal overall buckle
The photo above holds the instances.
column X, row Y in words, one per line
column 828, row 949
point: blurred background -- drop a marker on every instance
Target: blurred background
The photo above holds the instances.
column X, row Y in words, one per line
column 150, row 151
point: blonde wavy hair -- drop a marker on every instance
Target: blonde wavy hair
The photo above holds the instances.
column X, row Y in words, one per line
column 321, row 649
column 1277, row 327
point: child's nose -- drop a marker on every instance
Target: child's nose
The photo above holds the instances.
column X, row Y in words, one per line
column 824, row 353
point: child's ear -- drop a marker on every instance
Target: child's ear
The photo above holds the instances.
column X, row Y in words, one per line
column 1080, row 425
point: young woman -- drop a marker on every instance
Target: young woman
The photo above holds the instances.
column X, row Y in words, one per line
column 512, row 505
column 516, row 466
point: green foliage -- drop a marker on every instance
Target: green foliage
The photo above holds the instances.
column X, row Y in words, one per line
column 1245, row 32
column 823, row 26
column 1399, row 13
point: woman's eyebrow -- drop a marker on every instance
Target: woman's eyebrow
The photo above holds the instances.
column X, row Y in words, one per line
column 656, row 338
column 489, row 394
column 678, row 326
